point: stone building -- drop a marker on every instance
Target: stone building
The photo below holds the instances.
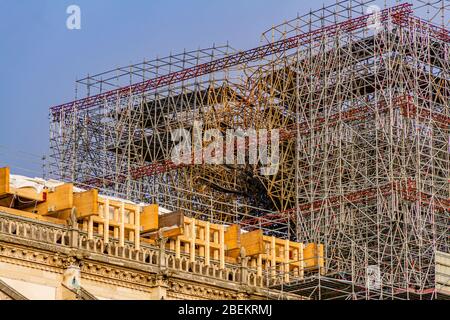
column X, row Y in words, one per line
column 61, row 242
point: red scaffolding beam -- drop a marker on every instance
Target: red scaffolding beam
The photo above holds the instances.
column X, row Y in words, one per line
column 405, row 103
column 398, row 13
column 406, row 189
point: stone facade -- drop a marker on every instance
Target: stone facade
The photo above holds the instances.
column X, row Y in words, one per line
column 38, row 260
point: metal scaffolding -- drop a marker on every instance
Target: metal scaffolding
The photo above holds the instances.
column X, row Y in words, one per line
column 361, row 101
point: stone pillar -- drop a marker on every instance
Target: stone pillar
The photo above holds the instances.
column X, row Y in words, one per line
column 243, row 259
column 259, row 265
column 177, row 248
column 159, row 289
column 161, row 241
column 91, row 228
column 71, row 279
column 74, row 233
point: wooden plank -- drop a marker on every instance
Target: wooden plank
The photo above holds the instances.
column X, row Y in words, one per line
column 28, row 193
column 300, row 259
column 117, row 203
column 63, row 214
column 137, row 231
column 121, row 225
column 32, row 215
column 149, row 241
column 86, row 203
column 171, row 233
column 233, row 253
column 106, row 221
column 253, row 242
column 192, row 240
column 7, row 200
column 149, row 218
column 313, row 256
column 321, row 253
column 207, row 244
column 233, row 241
column 25, row 192
column 286, row 266
column 222, row 247
column 230, row 260
column 273, row 260
column 309, row 255
column 59, row 199
column 232, row 237
column 175, row 232
column 4, row 181
column 171, row 219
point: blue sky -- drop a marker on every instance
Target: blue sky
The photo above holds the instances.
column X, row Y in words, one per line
column 41, row 59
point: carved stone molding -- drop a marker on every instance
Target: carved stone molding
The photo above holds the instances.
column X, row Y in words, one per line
column 75, row 260
column 134, row 274
column 31, row 258
column 113, row 275
column 179, row 296
column 117, row 276
column 179, row 289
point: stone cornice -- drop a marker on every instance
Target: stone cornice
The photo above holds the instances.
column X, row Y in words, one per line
column 30, row 257
column 55, row 254
column 123, row 276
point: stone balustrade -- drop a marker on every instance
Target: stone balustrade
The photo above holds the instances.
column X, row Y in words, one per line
column 157, row 256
